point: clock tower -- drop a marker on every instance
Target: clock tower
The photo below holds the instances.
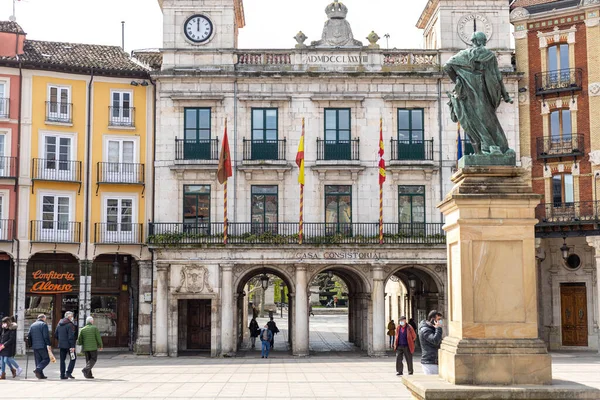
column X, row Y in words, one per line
column 201, row 24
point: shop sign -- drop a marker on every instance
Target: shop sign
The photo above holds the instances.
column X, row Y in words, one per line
column 52, row 282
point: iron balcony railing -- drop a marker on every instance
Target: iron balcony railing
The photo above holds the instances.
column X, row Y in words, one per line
column 118, row 233
column 264, row 149
column 8, row 167
column 406, row 150
column 189, row 149
column 131, row 173
column 342, row 150
column 121, row 116
column 567, row 145
column 55, row 232
column 59, row 112
column 563, row 80
column 286, row 233
column 7, row 230
column 4, row 107
column 574, row 213
column 44, row 169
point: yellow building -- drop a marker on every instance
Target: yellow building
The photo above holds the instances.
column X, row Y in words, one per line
column 84, row 175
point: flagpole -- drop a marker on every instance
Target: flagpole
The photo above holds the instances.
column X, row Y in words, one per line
column 301, row 224
column 380, row 193
column 225, row 219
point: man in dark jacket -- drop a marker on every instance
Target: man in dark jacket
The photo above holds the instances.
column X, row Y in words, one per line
column 430, row 336
column 65, row 334
column 39, row 339
column 274, row 330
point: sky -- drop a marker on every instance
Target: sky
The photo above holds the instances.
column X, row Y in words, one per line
column 269, row 23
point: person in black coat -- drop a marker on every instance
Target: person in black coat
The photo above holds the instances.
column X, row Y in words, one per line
column 254, row 331
column 430, row 336
column 65, row 334
column 8, row 345
column 274, row 330
column 39, row 341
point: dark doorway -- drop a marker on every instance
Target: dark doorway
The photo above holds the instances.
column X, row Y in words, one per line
column 198, row 325
column 574, row 321
column 5, row 288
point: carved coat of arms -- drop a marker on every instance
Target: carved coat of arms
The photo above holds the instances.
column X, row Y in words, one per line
column 194, row 279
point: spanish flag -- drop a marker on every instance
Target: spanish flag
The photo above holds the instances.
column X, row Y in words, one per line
column 224, row 170
column 381, row 153
column 300, row 157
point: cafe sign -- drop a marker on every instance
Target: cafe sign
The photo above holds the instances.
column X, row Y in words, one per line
column 52, row 282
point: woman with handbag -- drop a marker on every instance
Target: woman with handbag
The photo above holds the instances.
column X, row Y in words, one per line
column 254, row 331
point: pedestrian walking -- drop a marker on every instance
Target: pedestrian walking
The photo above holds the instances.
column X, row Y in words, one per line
column 8, row 347
column 404, row 345
column 430, row 336
column 65, row 334
column 254, row 331
column 91, row 342
column 39, row 341
column 391, row 327
column 266, row 336
column 274, row 330
column 310, row 311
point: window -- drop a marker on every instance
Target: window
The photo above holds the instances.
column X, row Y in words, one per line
column 121, row 111
column 104, row 311
column 337, row 134
column 411, row 204
column 119, row 220
column 59, row 108
column 558, row 64
column 4, row 161
column 196, row 209
column 411, row 145
column 56, row 216
column 562, row 190
column 121, row 161
column 264, row 134
column 57, row 158
column 338, row 209
column 197, row 134
column 560, row 125
column 3, row 100
column 4, row 227
column 264, row 208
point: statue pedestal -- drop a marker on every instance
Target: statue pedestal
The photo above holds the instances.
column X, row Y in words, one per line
column 493, row 332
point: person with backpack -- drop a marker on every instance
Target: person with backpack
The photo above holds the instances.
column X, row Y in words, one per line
column 274, row 330
column 254, row 331
column 266, row 336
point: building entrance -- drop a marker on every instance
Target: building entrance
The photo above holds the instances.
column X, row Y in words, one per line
column 573, row 303
column 198, row 324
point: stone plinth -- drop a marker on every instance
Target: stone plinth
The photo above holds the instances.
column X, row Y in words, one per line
column 492, row 308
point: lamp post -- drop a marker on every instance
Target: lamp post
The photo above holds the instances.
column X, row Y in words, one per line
column 116, row 266
column 281, row 287
column 564, row 249
column 412, row 284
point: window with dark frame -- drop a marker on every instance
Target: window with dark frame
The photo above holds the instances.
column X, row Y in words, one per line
column 196, row 209
column 338, row 134
column 562, row 190
column 411, row 132
column 264, row 208
column 265, row 134
column 197, row 134
column 411, row 204
column 338, row 209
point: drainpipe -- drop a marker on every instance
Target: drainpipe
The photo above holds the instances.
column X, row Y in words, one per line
column 87, row 197
column 235, row 147
column 153, row 82
column 17, row 173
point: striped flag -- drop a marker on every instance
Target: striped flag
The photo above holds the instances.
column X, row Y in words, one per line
column 381, row 153
column 300, row 157
column 459, row 150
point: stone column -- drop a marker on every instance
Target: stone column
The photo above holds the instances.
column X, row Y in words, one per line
column 378, row 302
column 301, row 300
column 162, row 310
column 226, row 308
column 142, row 344
column 20, row 287
column 493, row 325
column 594, row 241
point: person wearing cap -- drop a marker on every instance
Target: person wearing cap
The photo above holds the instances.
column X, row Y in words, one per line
column 404, row 345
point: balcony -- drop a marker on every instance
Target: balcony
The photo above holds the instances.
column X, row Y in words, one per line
column 7, row 230
column 121, row 117
column 564, row 80
column 255, row 150
column 405, row 150
column 186, row 149
column 118, row 233
column 8, row 167
column 563, row 214
column 121, row 173
column 565, row 146
column 286, row 233
column 340, row 150
column 4, row 107
column 61, row 113
column 50, row 170
column 55, row 232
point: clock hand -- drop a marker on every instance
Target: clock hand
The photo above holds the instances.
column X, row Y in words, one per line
column 198, row 21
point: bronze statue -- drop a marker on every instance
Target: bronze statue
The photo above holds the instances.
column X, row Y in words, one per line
column 477, row 95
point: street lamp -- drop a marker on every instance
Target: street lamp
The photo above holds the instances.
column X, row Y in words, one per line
column 330, row 274
column 564, row 249
column 116, row 267
column 264, row 282
column 412, row 283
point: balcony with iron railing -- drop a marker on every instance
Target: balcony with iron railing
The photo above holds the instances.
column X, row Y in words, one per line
column 7, row 230
column 44, row 169
column 196, row 150
column 57, row 112
column 8, row 167
column 287, row 233
column 255, row 150
column 55, row 232
column 121, row 173
column 338, row 150
column 573, row 213
column 564, row 146
column 412, row 150
column 118, row 233
column 563, row 80
column 121, row 117
column 4, row 107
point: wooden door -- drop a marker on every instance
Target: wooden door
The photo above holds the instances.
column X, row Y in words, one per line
column 574, row 319
column 198, row 337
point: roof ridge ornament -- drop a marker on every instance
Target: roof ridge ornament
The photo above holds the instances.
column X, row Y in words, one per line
column 337, row 31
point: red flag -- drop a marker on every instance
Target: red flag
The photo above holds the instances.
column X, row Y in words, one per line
column 224, row 171
column 381, row 153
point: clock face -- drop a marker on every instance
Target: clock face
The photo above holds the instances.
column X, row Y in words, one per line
column 470, row 23
column 198, row 28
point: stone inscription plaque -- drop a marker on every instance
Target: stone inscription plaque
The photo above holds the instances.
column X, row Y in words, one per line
column 335, row 59
column 341, row 255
